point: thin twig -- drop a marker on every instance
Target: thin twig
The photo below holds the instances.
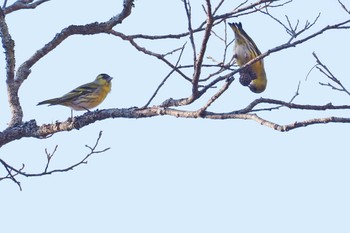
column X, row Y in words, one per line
column 343, row 6
column 49, row 157
column 10, row 176
column 187, row 7
column 290, row 29
column 161, row 57
column 218, row 7
column 166, row 78
column 279, row 5
column 308, row 73
column 10, row 169
column 216, row 96
column 296, row 93
column 280, row 105
column 324, row 69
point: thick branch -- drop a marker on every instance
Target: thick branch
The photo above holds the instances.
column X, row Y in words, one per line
column 31, row 129
column 12, row 87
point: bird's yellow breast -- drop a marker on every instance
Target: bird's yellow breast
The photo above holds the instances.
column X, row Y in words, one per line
column 93, row 99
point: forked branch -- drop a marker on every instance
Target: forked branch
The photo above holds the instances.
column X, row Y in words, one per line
column 13, row 172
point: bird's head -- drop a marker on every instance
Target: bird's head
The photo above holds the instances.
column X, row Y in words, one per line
column 257, row 86
column 103, row 79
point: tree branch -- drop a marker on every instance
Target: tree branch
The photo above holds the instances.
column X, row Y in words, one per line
column 10, row 169
column 12, row 86
column 88, row 29
column 166, row 78
column 223, row 71
column 217, row 19
column 25, row 68
column 161, row 57
column 187, row 7
column 343, row 6
column 31, row 129
column 199, row 61
column 22, row 4
column 324, row 70
column 289, row 44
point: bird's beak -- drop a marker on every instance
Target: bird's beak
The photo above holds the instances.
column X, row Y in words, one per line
column 109, row 78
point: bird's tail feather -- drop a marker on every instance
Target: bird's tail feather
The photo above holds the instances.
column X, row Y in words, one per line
column 50, row 101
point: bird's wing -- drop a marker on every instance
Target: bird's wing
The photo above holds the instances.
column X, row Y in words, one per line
column 80, row 91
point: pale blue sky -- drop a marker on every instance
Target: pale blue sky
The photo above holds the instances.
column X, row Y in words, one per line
column 177, row 175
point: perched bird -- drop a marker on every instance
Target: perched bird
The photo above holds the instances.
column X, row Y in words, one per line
column 86, row 96
column 245, row 49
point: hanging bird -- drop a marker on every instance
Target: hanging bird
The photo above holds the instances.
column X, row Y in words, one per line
column 86, row 96
column 245, row 49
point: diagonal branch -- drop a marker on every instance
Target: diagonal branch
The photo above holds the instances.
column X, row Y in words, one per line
column 88, row 29
column 324, row 69
column 166, row 78
column 145, row 51
column 240, row 9
column 11, row 173
column 25, row 68
column 344, row 7
column 216, row 96
column 22, row 4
